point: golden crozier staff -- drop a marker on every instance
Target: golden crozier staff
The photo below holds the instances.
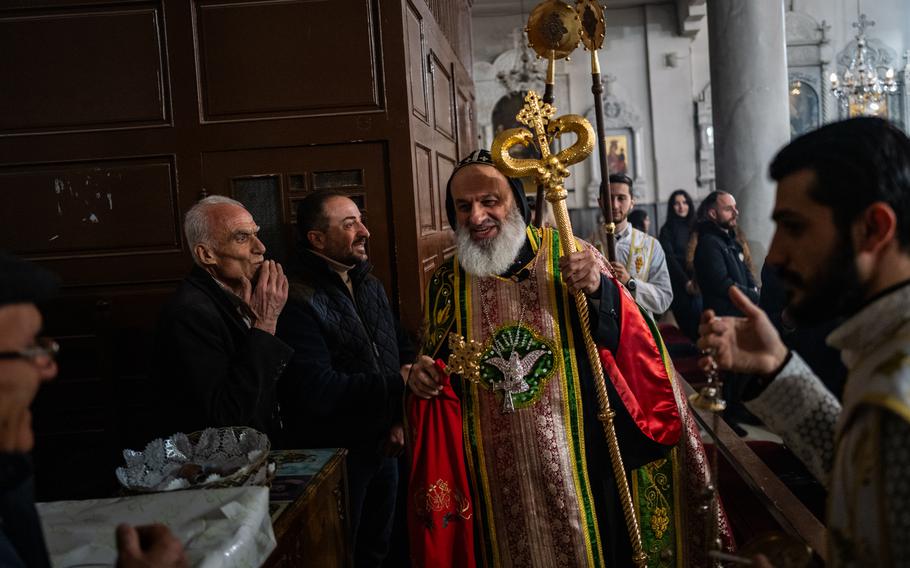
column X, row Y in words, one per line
column 554, row 31
column 593, row 31
column 550, row 172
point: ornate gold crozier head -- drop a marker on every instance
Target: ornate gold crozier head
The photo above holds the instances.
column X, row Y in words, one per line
column 554, row 29
column 542, row 129
column 593, row 24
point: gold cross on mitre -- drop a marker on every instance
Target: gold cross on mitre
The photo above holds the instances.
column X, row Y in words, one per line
column 551, row 169
column 464, row 358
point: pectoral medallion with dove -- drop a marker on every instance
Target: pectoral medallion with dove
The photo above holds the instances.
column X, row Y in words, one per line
column 513, row 375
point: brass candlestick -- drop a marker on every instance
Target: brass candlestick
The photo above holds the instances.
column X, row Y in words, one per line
column 710, row 398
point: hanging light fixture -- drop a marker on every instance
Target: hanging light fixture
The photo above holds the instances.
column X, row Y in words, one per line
column 860, row 89
column 525, row 73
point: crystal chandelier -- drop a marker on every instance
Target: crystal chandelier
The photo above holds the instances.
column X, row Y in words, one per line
column 860, row 89
column 525, row 74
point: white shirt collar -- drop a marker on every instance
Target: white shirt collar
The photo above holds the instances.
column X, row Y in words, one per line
column 338, row 267
column 625, row 232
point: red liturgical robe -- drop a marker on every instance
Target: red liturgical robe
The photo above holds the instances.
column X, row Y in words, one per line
column 439, row 505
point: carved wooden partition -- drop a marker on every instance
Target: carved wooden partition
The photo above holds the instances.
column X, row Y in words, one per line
column 442, row 123
column 118, row 115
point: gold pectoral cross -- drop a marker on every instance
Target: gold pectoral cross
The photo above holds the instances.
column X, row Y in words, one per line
column 550, row 169
column 464, row 358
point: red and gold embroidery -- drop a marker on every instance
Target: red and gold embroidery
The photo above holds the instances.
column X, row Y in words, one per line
column 441, row 499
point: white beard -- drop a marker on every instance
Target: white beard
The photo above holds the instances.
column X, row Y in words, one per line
column 493, row 256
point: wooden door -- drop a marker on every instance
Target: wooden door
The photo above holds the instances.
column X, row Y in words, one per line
column 442, row 126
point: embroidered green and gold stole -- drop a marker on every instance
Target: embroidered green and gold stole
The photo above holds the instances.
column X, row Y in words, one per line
column 532, row 495
column 533, row 499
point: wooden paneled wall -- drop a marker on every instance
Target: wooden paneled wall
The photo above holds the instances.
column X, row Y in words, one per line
column 118, row 115
column 454, row 19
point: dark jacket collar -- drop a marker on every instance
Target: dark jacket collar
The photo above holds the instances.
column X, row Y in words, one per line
column 15, row 467
column 226, row 300
column 712, row 228
column 207, row 283
column 677, row 229
column 311, row 265
column 676, row 223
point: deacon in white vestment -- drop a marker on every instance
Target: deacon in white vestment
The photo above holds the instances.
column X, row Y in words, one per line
column 842, row 248
column 641, row 264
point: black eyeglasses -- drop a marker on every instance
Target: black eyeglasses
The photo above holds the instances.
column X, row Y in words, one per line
column 43, row 347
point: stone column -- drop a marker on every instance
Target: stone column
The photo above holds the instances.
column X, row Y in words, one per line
column 748, row 52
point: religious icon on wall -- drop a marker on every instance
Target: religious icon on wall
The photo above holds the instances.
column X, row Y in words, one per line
column 804, row 113
column 619, row 156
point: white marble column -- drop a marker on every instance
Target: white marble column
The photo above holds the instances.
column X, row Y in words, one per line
column 747, row 46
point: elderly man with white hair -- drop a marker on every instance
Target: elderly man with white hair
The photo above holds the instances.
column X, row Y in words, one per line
column 216, row 355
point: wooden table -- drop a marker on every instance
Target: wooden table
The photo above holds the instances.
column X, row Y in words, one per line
column 309, row 508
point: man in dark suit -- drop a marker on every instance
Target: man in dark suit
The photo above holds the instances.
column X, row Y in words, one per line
column 216, row 354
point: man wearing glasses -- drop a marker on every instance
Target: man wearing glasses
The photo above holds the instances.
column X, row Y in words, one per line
column 26, row 361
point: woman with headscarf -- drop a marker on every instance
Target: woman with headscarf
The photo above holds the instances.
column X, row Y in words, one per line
column 674, row 238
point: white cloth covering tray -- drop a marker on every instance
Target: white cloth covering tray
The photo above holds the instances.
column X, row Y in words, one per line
column 227, row 527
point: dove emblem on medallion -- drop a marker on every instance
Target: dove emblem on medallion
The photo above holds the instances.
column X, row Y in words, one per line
column 513, row 375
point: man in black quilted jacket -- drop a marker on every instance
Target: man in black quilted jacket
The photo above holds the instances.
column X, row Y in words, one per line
column 721, row 264
column 345, row 383
column 720, row 261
